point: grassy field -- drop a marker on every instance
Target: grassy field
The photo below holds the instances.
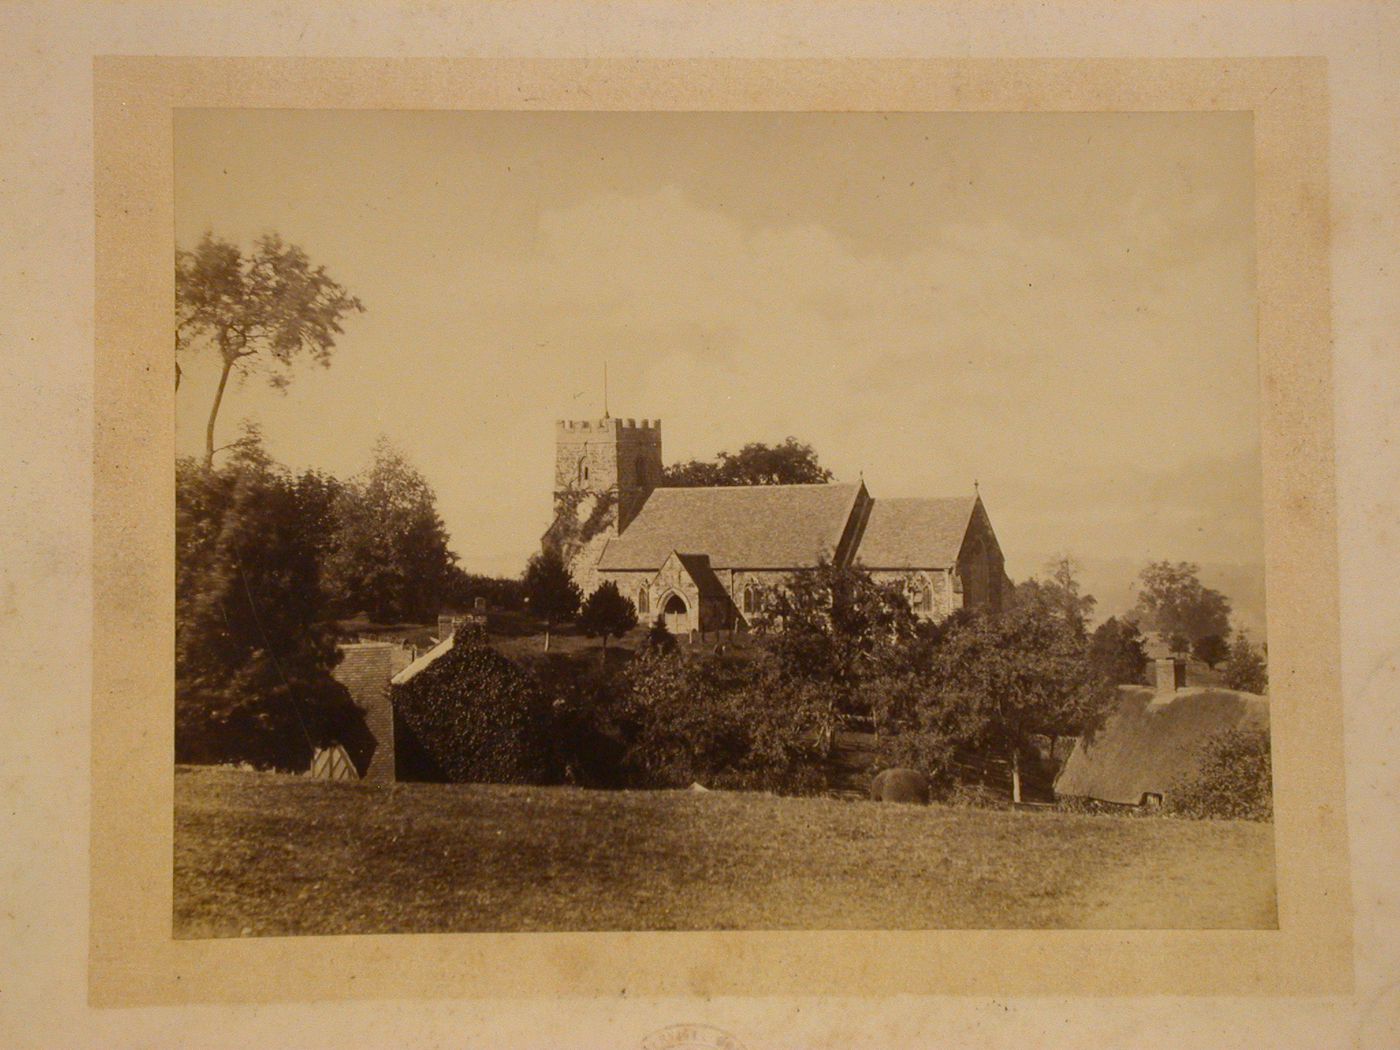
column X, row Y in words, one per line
column 258, row 854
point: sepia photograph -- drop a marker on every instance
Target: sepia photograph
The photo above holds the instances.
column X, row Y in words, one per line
column 737, row 526
column 724, row 526
column 651, row 521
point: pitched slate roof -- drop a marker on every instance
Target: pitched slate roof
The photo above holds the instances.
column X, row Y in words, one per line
column 365, row 669
column 915, row 533
column 748, row 527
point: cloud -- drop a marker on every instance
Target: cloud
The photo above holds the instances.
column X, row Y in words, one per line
column 1066, row 370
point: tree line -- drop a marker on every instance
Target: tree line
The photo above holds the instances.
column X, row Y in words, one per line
column 267, row 561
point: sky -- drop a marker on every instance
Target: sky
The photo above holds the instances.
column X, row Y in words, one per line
column 1059, row 307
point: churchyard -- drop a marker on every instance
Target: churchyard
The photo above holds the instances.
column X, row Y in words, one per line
column 262, row 854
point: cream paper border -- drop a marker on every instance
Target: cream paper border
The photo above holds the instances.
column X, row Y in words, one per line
column 133, row 958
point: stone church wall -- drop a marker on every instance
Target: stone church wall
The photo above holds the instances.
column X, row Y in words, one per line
column 944, row 596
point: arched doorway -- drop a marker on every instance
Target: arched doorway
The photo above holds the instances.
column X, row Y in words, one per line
column 676, row 614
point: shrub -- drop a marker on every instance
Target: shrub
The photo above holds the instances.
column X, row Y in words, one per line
column 1233, row 781
column 913, row 729
column 689, row 722
column 590, row 732
column 476, row 717
column 1247, row 669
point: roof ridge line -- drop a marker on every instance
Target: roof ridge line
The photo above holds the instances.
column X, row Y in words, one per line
column 747, row 488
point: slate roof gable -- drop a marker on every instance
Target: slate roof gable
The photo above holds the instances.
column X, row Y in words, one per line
column 739, row 527
column 915, row 533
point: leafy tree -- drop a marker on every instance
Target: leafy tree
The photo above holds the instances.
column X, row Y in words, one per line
column 1059, row 594
column 790, row 463
column 1210, row 649
column 550, row 591
column 996, row 681
column 1117, row 653
column 253, row 678
column 1063, row 586
column 688, row 722
column 607, row 612
column 390, row 558
column 1174, row 602
column 267, row 308
column 694, row 474
column 319, row 496
column 836, row 624
column 1247, row 669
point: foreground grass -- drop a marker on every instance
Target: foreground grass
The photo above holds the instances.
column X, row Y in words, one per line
column 262, row 854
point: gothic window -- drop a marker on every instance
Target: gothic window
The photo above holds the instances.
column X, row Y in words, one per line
column 643, row 601
column 750, row 599
column 583, row 470
column 921, row 595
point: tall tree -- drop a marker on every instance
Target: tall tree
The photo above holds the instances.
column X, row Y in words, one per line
column 550, row 591
column 790, row 463
column 1059, row 593
column 1247, row 669
column 253, row 665
column 259, row 310
column 1210, row 649
column 390, row 556
column 1076, row 607
column 838, row 625
column 1173, row 601
column 1117, row 653
column 607, row 612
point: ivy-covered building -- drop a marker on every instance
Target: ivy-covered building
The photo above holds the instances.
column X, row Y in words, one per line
column 703, row 558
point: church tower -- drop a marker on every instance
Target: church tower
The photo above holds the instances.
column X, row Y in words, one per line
column 604, row 470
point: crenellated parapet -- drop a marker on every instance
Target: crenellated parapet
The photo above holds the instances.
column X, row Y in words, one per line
column 606, row 426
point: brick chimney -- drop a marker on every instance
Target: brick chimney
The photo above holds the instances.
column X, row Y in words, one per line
column 1171, row 674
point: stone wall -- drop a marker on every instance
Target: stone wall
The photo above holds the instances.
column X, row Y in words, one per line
column 981, row 567
column 943, row 592
column 618, row 456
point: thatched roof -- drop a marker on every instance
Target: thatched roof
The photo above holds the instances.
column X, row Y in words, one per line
column 1151, row 740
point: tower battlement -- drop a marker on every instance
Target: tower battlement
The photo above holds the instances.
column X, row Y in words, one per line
column 605, row 463
column 606, row 425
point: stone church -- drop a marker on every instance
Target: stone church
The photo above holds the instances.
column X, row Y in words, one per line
column 702, row 558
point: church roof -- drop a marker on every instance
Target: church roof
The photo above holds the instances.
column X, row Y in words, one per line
column 740, row 527
column 915, row 533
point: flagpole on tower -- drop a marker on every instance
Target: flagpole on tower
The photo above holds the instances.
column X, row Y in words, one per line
column 605, row 389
